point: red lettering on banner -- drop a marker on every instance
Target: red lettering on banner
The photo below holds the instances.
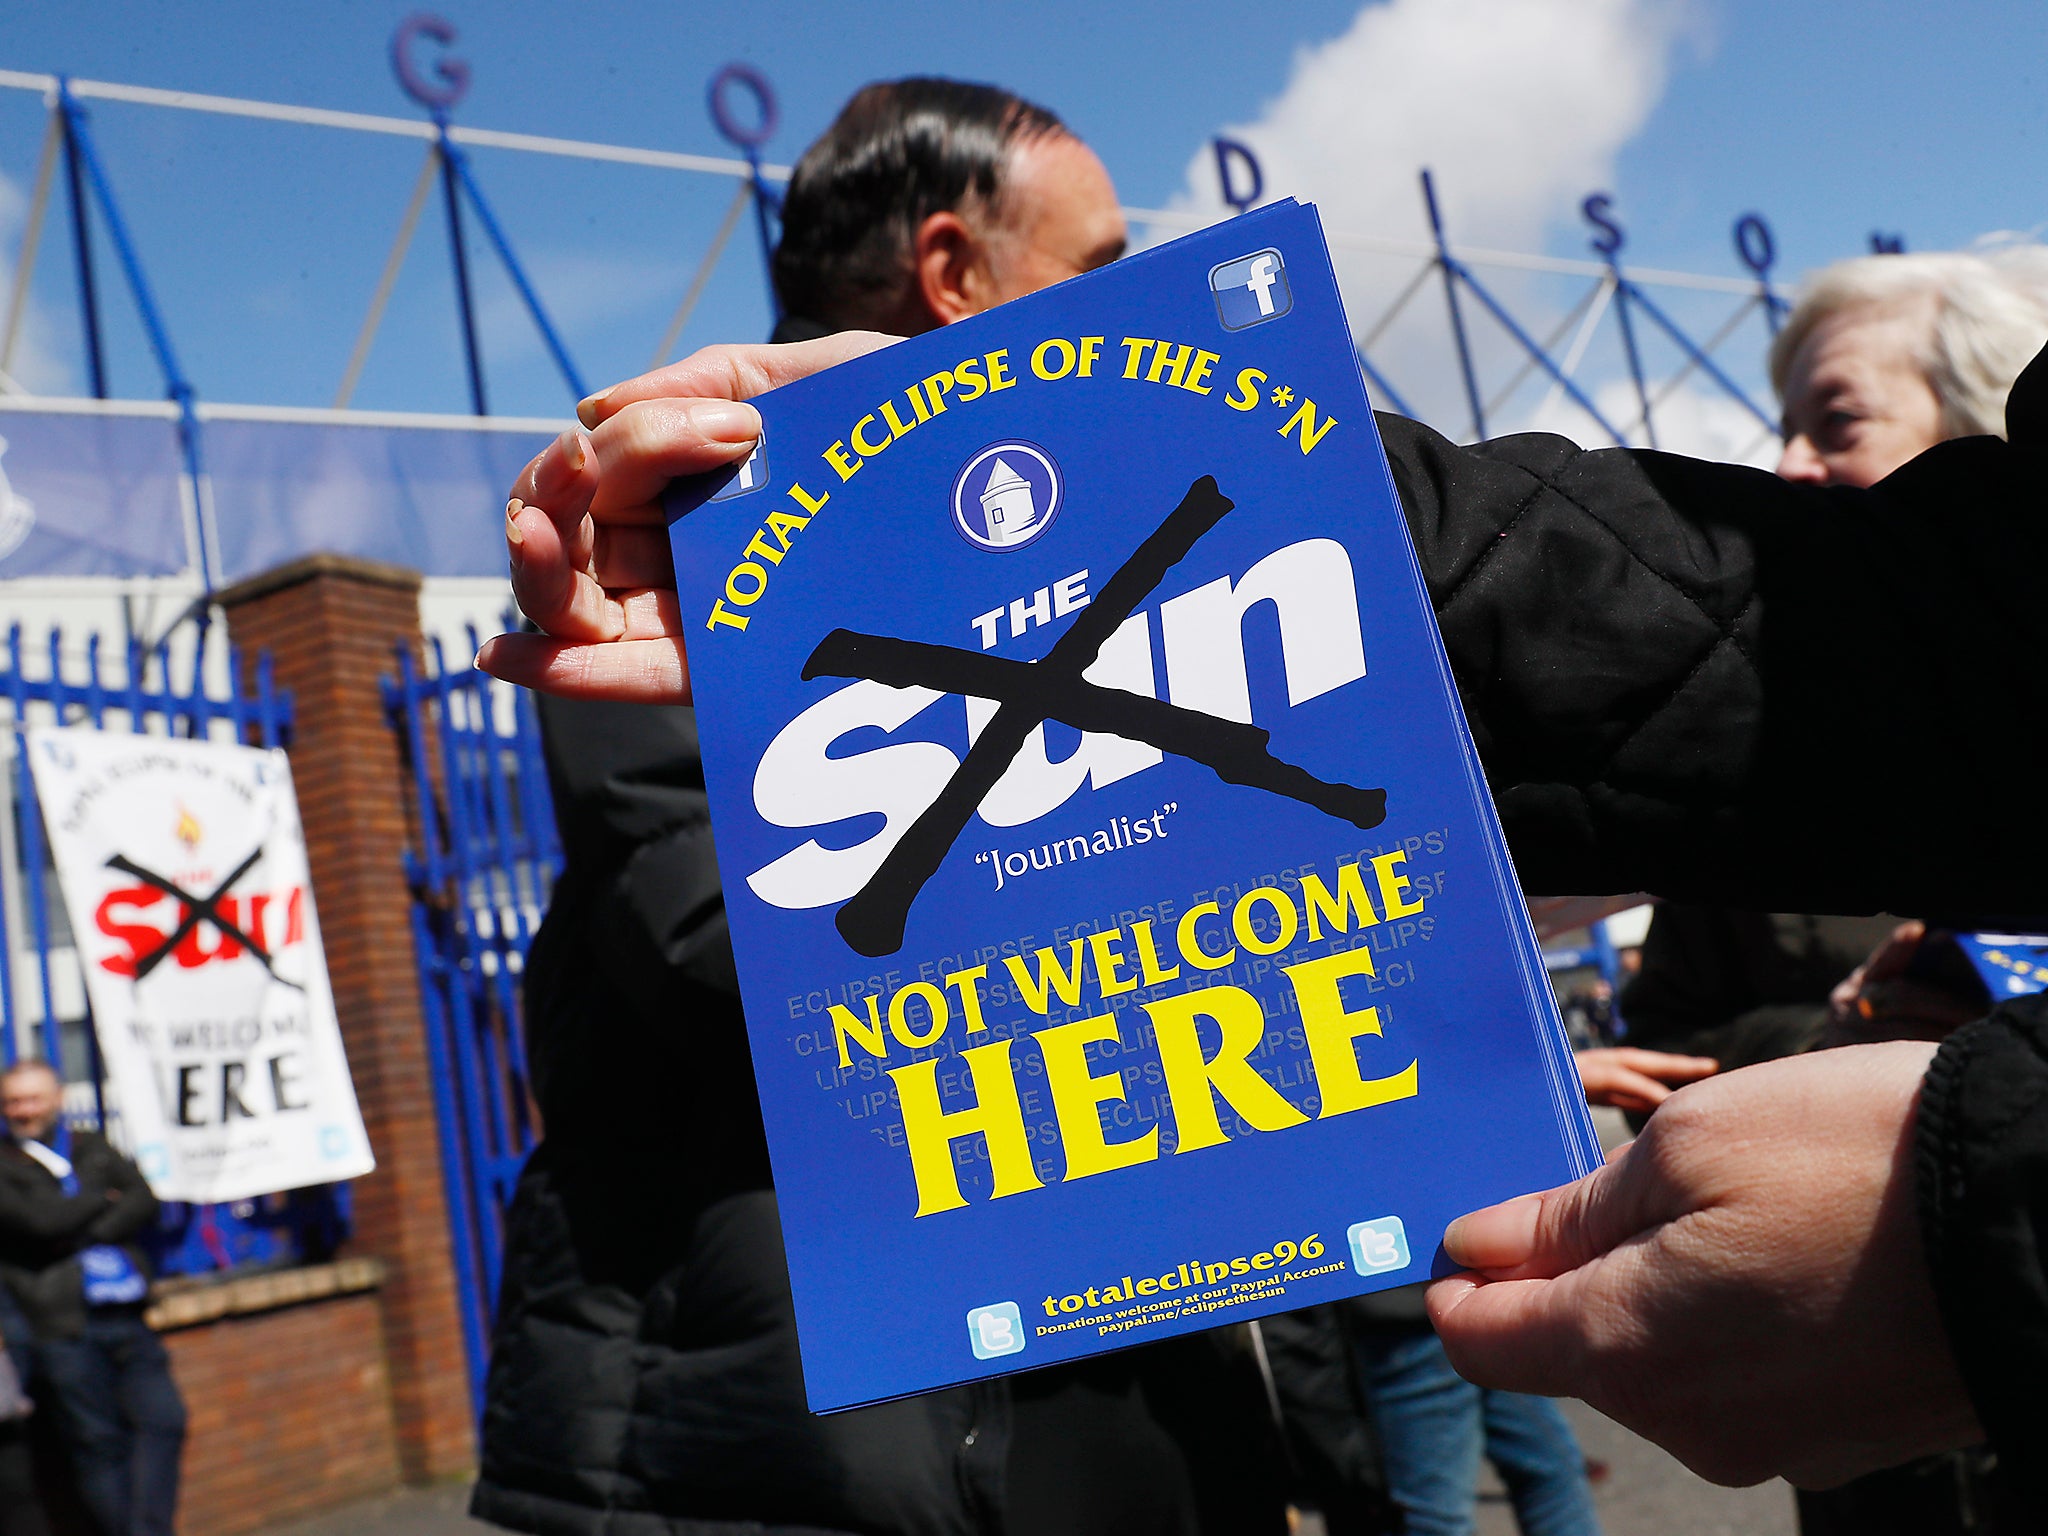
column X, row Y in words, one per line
column 140, row 938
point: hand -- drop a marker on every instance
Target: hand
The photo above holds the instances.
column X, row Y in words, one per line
column 585, row 530
column 1879, row 1001
column 1743, row 1284
column 1623, row 1077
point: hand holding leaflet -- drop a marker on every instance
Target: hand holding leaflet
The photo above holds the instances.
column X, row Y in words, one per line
column 586, row 535
column 1695, row 1289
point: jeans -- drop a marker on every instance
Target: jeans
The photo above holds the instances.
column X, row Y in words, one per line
column 121, row 1418
column 1433, row 1426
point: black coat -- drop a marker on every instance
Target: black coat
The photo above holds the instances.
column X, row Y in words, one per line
column 42, row 1229
column 1685, row 678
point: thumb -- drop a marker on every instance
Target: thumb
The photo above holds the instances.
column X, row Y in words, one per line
column 1514, row 1335
column 1539, row 1236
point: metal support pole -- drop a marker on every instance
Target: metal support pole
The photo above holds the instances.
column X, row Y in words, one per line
column 1574, row 316
column 459, row 256
column 454, row 155
column 1451, row 272
column 1508, row 323
column 393, row 263
column 695, row 291
column 764, row 200
column 748, row 137
column 81, row 247
column 1709, row 346
column 202, row 609
column 13, row 935
column 1700, row 359
column 31, row 241
column 176, row 386
column 1628, row 347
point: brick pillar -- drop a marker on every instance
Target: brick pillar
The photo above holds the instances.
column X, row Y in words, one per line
column 331, row 624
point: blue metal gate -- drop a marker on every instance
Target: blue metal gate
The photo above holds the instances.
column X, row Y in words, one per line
column 481, row 876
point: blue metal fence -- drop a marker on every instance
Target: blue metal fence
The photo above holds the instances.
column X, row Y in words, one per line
column 481, row 876
column 43, row 1007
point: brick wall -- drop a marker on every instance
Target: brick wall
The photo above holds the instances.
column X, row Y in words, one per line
column 290, row 1414
column 330, row 624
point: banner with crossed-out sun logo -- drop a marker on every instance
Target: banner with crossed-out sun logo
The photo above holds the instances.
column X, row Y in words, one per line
column 1127, row 941
column 183, row 868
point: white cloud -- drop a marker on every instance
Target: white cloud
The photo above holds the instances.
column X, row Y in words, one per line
column 1518, row 107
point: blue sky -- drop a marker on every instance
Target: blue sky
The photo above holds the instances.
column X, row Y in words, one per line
column 1831, row 118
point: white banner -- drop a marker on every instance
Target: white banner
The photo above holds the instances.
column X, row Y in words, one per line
column 184, row 872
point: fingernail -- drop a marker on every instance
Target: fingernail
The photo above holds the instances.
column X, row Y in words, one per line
column 561, row 466
column 512, row 511
column 588, row 407
column 1452, row 1239
column 726, row 421
column 1499, row 1237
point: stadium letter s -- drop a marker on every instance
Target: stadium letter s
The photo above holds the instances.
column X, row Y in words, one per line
column 798, row 785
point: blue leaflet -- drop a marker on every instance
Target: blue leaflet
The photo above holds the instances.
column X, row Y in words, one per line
column 1128, row 943
column 2012, row 964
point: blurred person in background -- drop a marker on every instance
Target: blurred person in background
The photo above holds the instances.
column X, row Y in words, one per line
column 21, row 1507
column 1882, row 358
column 644, row 1371
column 71, row 1209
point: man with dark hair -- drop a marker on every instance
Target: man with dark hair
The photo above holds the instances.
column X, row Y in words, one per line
column 70, row 1209
column 930, row 200
column 644, row 1377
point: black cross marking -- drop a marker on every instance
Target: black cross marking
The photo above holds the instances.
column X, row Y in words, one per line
column 198, row 909
column 1028, row 694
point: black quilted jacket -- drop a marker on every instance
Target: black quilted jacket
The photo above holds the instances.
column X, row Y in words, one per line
column 1684, row 678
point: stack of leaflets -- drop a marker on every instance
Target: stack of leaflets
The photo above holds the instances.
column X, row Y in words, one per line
column 1127, row 940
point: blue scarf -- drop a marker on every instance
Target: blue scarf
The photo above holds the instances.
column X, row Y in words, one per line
column 111, row 1277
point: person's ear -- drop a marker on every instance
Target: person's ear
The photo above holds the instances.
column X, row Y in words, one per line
column 953, row 278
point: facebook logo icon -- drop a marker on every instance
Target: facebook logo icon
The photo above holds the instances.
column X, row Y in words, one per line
column 993, row 1332
column 1378, row 1247
column 1251, row 290
column 752, row 476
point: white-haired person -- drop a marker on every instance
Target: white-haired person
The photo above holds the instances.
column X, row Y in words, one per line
column 1885, row 356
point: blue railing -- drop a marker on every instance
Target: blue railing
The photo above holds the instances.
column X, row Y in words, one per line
column 132, row 689
column 481, row 875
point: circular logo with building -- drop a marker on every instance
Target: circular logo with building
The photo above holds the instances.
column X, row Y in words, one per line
column 1006, row 495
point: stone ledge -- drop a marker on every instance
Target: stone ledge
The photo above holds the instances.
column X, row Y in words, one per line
column 375, row 573
column 186, row 1303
